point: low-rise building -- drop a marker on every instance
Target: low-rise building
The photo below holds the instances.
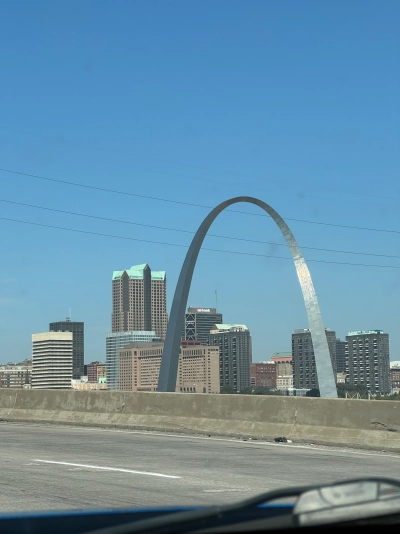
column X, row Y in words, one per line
column 18, row 375
column 263, row 374
column 95, row 371
column 395, row 377
column 198, row 369
column 85, row 385
column 340, row 378
column 284, row 369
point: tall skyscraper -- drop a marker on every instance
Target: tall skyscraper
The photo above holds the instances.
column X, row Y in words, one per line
column 78, row 344
column 340, row 356
column 139, row 300
column 367, row 360
column 304, row 370
column 114, row 343
column 52, row 357
column 199, row 322
column 234, row 342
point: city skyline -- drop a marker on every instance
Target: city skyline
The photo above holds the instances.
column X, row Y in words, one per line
column 306, row 132
column 262, row 356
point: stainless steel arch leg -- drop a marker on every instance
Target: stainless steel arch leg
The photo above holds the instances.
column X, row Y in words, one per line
column 170, row 358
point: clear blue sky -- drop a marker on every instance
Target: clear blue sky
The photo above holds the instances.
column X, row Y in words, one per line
column 294, row 102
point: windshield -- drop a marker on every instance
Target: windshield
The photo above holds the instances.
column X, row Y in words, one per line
column 199, row 275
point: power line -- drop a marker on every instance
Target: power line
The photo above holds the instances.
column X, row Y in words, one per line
column 185, row 246
column 197, row 167
column 213, row 181
column 159, row 199
column 108, row 219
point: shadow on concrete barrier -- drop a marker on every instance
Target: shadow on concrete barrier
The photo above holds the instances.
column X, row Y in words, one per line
column 343, row 422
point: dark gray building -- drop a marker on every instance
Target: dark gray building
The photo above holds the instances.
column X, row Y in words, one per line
column 78, row 343
column 199, row 322
column 340, row 356
column 367, row 360
column 304, row 369
column 234, row 342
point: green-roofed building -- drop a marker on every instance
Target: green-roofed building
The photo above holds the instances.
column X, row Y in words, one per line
column 139, row 300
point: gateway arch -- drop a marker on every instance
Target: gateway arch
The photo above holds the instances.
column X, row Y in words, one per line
column 170, row 357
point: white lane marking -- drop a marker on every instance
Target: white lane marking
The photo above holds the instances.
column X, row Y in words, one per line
column 101, row 468
column 223, row 490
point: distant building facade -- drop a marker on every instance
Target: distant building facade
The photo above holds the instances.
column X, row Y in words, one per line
column 198, row 369
column 368, row 361
column 263, row 374
column 139, row 300
column 84, row 385
column 16, row 375
column 235, row 354
column 116, row 341
column 340, row 378
column 284, row 369
column 78, row 330
column 340, row 356
column 52, row 360
column 199, row 322
column 96, row 371
column 395, row 377
column 304, row 368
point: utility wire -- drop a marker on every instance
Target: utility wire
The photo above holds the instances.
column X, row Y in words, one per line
column 159, row 199
column 97, row 217
column 185, row 246
column 191, row 166
column 213, row 181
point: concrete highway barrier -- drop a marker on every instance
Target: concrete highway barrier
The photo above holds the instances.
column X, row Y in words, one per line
column 345, row 422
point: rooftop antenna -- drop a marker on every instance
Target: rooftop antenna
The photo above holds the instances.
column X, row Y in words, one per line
column 70, row 314
column 216, row 300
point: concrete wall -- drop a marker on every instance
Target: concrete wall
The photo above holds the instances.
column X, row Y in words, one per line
column 356, row 423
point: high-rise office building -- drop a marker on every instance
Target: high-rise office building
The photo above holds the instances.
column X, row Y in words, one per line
column 52, row 357
column 78, row 356
column 304, row 369
column 198, row 369
column 199, row 322
column 340, row 356
column 117, row 341
column 139, row 300
column 367, row 360
column 234, row 342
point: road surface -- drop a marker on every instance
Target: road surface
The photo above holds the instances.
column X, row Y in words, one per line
column 47, row 467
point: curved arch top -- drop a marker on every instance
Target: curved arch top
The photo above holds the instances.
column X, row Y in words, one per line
column 170, row 357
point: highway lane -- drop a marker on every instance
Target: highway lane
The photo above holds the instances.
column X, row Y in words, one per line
column 47, row 467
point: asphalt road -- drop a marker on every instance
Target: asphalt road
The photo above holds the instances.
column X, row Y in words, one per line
column 61, row 467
